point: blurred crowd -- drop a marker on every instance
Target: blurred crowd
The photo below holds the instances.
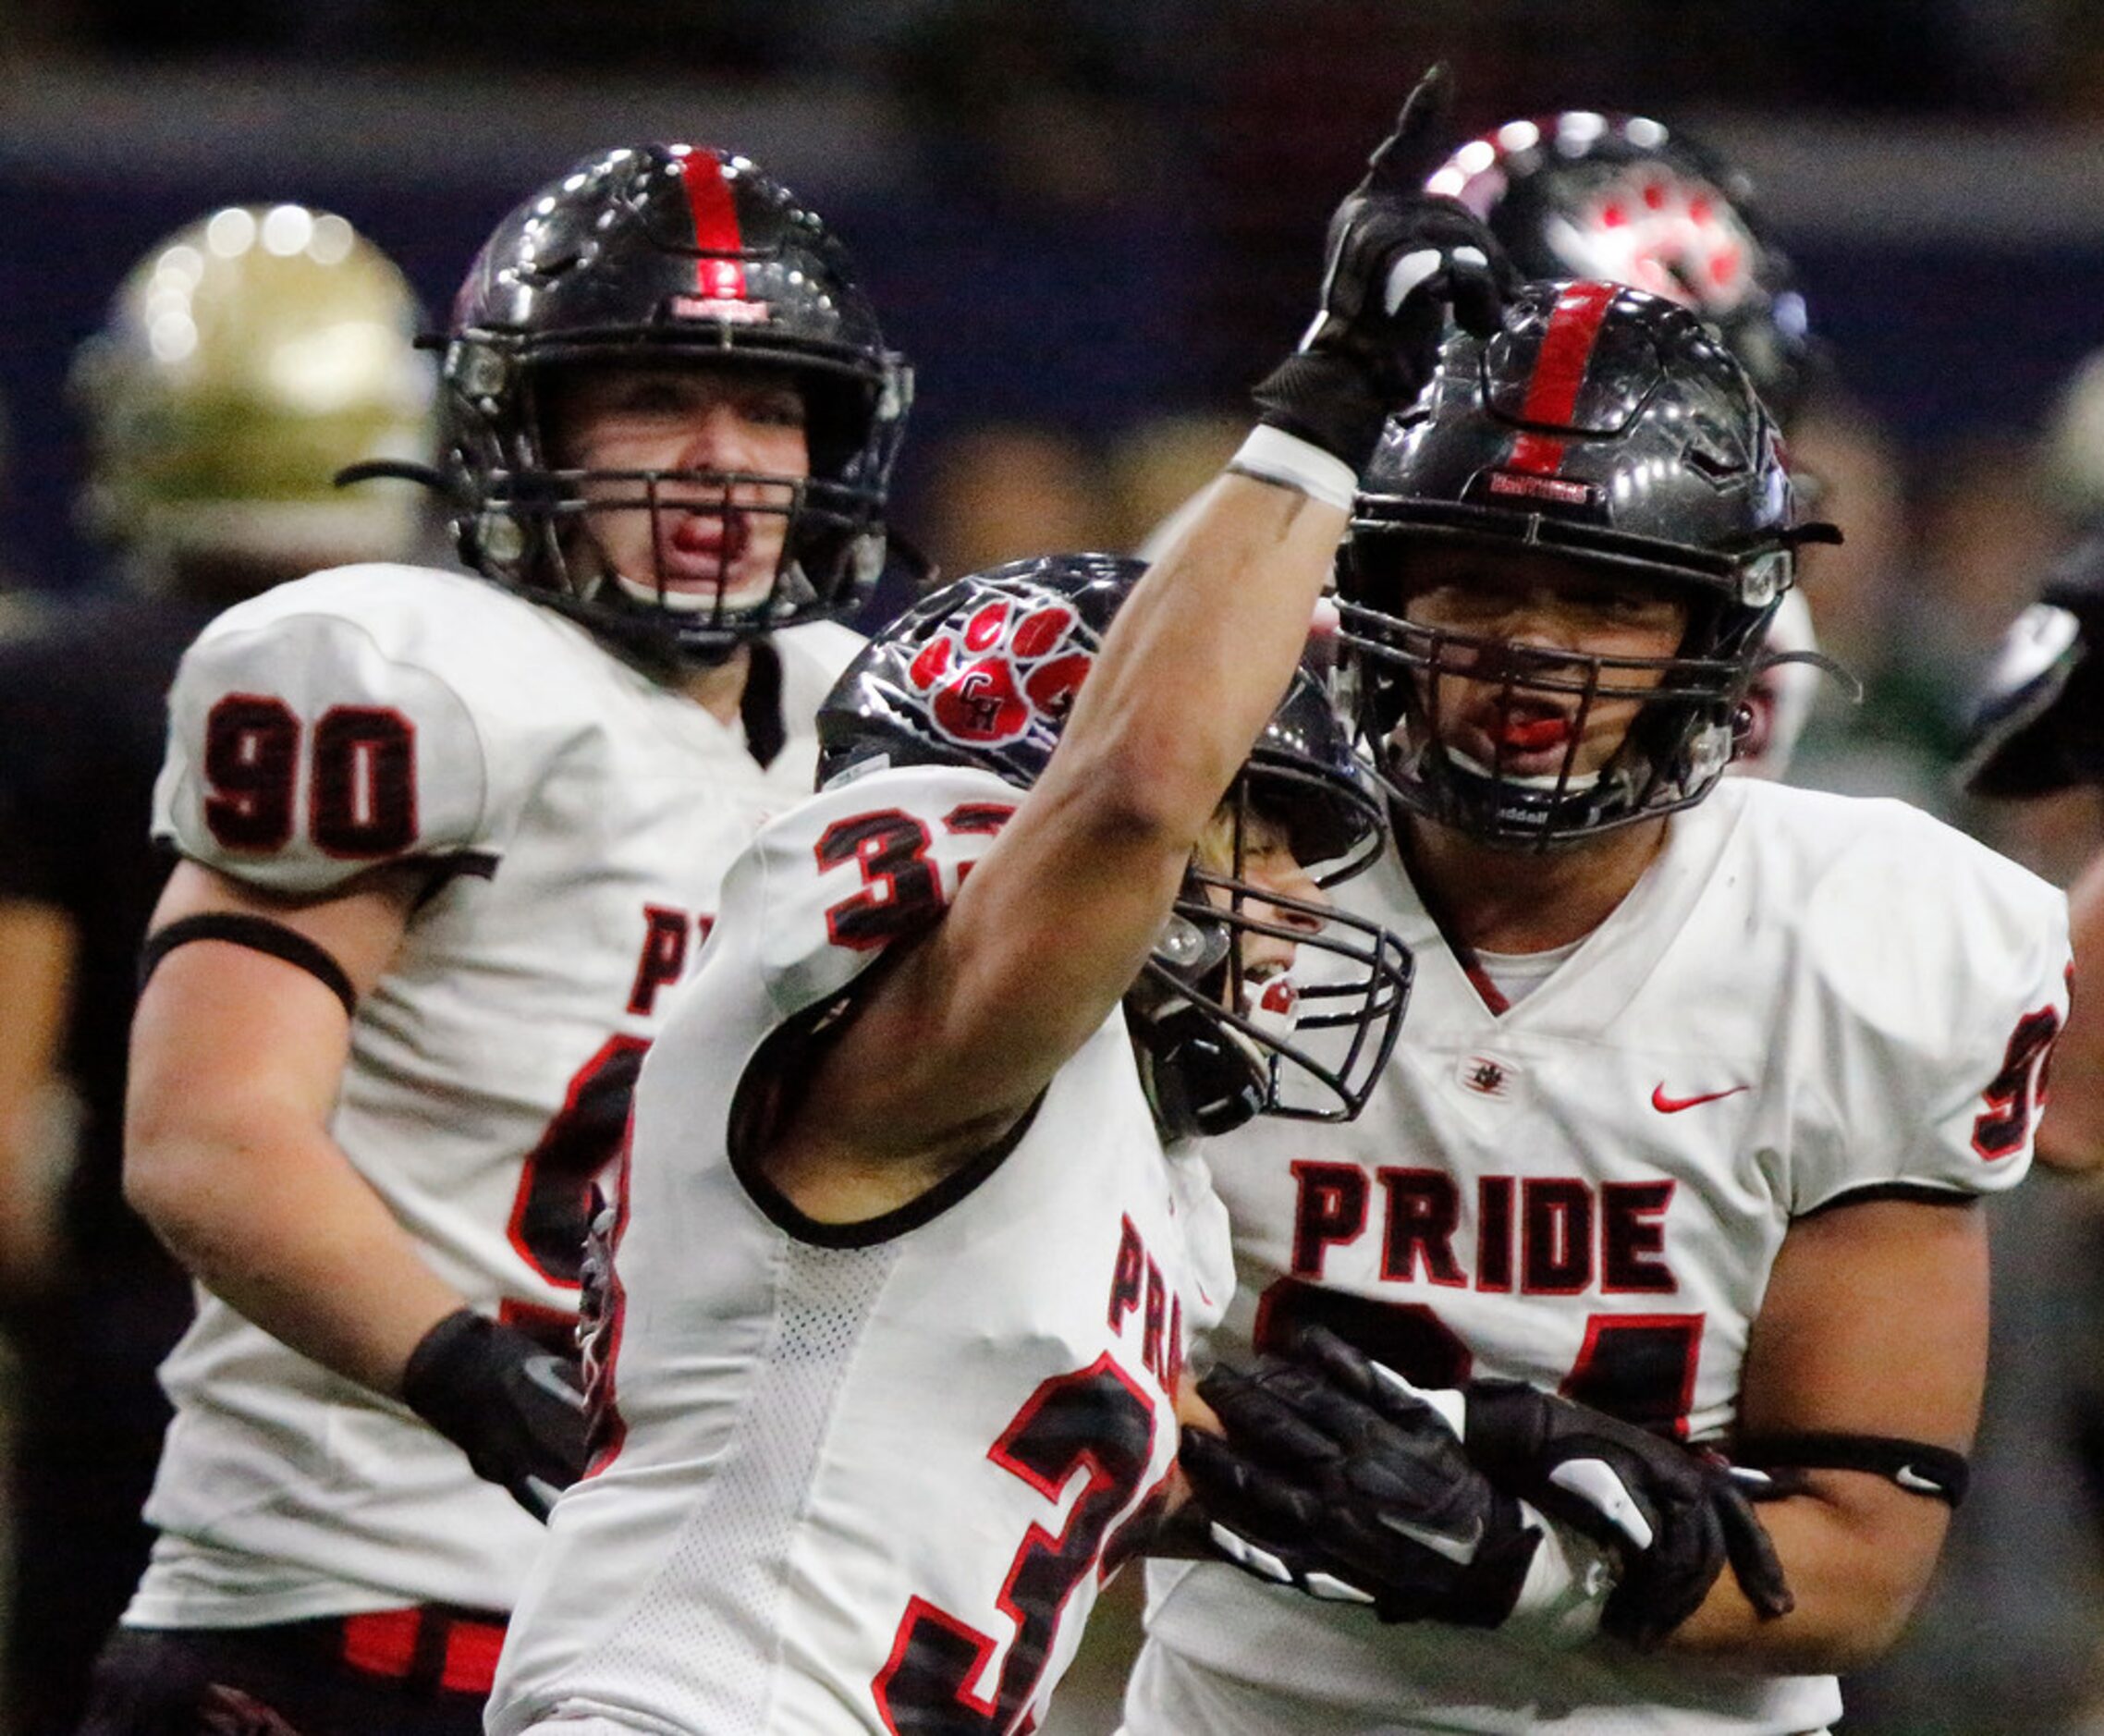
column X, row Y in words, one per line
column 1960, row 57
column 1142, row 170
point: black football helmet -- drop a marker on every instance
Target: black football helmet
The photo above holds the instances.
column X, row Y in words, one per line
column 984, row 673
column 1622, row 198
column 674, row 255
column 1613, row 428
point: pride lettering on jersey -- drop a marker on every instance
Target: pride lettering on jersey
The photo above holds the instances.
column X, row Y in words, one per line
column 1139, row 1298
column 664, row 952
column 1534, row 1235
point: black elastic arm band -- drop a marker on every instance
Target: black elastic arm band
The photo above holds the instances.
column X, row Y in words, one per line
column 260, row 935
column 1914, row 1465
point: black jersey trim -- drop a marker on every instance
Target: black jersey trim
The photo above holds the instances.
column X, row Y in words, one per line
column 792, row 1052
column 260, row 935
column 474, row 864
column 952, row 1190
column 1913, row 1192
column 760, row 705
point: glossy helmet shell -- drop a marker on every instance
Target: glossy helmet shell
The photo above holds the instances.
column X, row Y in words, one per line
column 669, row 253
column 984, row 673
column 1625, row 199
column 247, row 358
column 1612, row 428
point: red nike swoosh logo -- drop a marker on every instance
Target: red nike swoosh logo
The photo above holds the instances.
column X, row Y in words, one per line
column 1673, row 1106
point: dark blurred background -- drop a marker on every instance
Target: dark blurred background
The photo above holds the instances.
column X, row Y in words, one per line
column 1076, row 215
column 1092, row 221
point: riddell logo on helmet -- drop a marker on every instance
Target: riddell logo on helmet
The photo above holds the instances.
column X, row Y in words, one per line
column 1009, row 666
column 1564, row 493
column 716, row 307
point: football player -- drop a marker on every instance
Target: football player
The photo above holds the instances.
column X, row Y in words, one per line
column 1626, row 199
column 247, row 358
column 2036, row 731
column 1702, row 1083
column 901, row 1277
column 447, row 841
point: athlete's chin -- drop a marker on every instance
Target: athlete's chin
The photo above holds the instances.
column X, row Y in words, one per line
column 690, row 589
column 1479, row 747
column 1550, row 756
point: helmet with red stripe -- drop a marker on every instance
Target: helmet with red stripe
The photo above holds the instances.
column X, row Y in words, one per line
column 1623, row 198
column 984, row 673
column 668, row 255
column 1605, row 433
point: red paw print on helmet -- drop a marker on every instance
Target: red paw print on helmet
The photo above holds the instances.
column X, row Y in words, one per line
column 1013, row 666
column 1676, row 238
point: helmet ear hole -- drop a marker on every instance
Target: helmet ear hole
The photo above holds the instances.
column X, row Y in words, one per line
column 1202, row 1078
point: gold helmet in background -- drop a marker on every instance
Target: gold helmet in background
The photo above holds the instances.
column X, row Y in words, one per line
column 247, row 359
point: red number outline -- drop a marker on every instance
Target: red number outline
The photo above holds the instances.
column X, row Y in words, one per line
column 924, row 1687
column 2016, row 1094
column 1413, row 1338
column 252, row 763
column 383, row 741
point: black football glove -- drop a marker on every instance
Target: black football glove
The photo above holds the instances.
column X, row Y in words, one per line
column 1316, row 1488
column 1397, row 260
column 515, row 1408
column 1673, row 1515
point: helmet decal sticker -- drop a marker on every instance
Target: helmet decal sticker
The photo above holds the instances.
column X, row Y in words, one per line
column 988, row 681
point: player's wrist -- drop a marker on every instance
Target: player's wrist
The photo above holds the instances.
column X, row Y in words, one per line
column 1285, row 458
column 515, row 1410
column 1566, row 1591
column 447, row 1361
column 1327, row 399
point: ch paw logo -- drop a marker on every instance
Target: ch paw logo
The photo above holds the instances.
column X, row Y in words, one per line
column 1012, row 665
column 1676, row 238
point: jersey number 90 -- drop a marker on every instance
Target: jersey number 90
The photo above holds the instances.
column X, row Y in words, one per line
column 360, row 789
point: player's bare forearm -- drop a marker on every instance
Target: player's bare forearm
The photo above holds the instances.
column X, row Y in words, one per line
column 1875, row 1324
column 1054, row 925
column 37, row 948
column 236, row 1061
column 1196, row 661
column 1858, row 1551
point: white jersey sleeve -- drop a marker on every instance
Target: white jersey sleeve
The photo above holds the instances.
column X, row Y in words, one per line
column 1940, row 1029
column 823, row 889
column 329, row 726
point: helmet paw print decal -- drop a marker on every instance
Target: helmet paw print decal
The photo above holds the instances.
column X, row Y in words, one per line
column 1674, row 236
column 1012, row 665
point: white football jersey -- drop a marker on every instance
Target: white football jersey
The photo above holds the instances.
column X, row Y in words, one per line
column 1807, row 997
column 578, row 818
column 863, row 1478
